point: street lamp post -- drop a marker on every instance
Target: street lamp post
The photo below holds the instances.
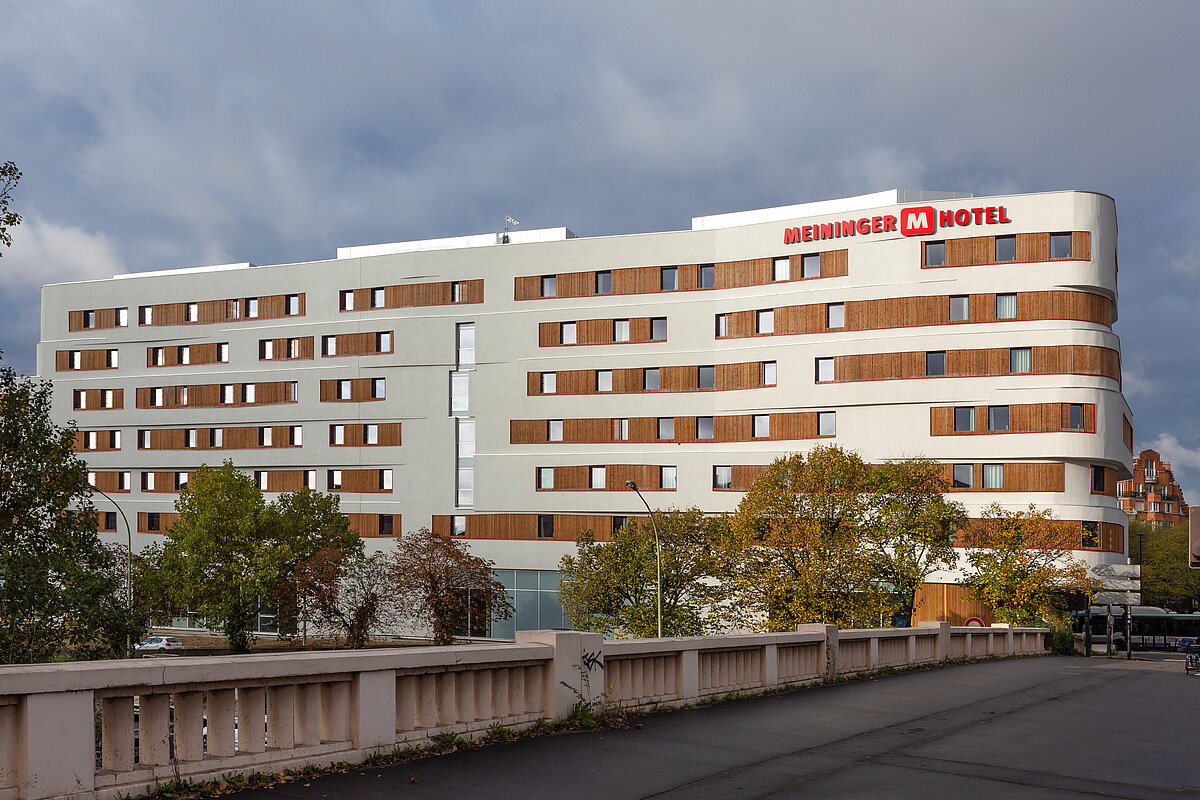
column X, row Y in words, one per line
column 128, row 565
column 657, row 553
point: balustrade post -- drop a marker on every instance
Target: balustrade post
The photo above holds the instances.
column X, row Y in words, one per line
column 281, row 716
column 154, row 726
column 308, row 714
column 221, row 716
column 55, row 744
column 578, row 663
column 873, row 652
column 189, row 726
column 941, row 650
column 827, row 661
column 116, row 734
column 770, row 666
column 373, row 709
column 251, row 720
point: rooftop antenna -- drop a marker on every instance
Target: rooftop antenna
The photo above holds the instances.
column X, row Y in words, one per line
column 507, row 222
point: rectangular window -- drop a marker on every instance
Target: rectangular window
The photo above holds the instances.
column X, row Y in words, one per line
column 1091, row 533
column 1006, row 249
column 619, row 522
column 329, row 345
column 764, row 321
column 666, row 477
column 123, row 481
column 184, row 354
column 223, row 353
column 114, row 441
column 567, row 333
column 781, row 269
column 964, row 419
column 997, row 418
column 596, row 477
column 216, row 437
column 143, row 440
column 835, row 315
column 708, row 377
column 935, row 363
column 110, row 520
column 385, row 525
column 89, row 319
column 248, row 392
column 227, row 394
column 1021, row 360
column 293, row 348
column 604, row 380
column 156, row 397
column 337, row 434
column 545, row 528
column 260, row 478
column 342, row 390
column 621, row 430
column 964, row 476
column 153, row 521
column 108, row 398
column 264, row 436
column 145, row 315
column 549, row 286
column 549, row 382
column 658, row 329
column 293, row 391
column 722, row 325
column 147, row 481
column 189, row 437
column 650, row 380
column 810, row 265
column 666, row 428
column 993, row 476
column 762, row 426
column 89, row 440
column 554, row 430
column 383, row 342
column 292, row 305
column 157, row 356
column 378, row 388
column 110, row 359
column 251, row 308
column 1097, row 479
column 1075, row 413
column 1006, row 306
column 75, row 360
column 620, row 330
column 708, row 276
column 960, row 308
column 371, row 433
column 80, row 399
column 722, row 477
column 704, row 428
column 310, row 479
column 334, row 477
column 295, row 436
column 604, row 282
column 824, row 370
column 378, row 299
column 456, row 292
column 385, row 480
column 122, row 317
column 235, row 309
column 466, row 345
column 669, row 279
column 935, row 254
column 346, row 300
column 458, row 525
column 193, row 313
column 826, row 423
column 1060, row 245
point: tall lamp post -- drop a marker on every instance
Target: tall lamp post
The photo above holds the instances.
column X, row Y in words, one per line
column 128, row 565
column 657, row 552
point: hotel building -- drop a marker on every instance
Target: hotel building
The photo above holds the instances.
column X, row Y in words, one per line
column 504, row 387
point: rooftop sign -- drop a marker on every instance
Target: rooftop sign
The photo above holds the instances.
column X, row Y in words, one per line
column 914, row 221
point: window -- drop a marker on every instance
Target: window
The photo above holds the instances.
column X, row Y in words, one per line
column 554, row 430
column 346, row 300
column 1021, row 360
column 147, row 481
column 385, row 525
column 293, row 349
column 293, row 390
column 704, row 428
column 545, row 528
column 108, row 398
column 810, row 265
column 604, row 282
column 264, row 436
column 189, row 437
column 1006, row 248
column 549, row 382
column 993, row 476
column 1153, row 507
column 666, row 428
column 123, row 481
column 153, row 521
column 291, row 305
column 964, row 476
column 835, row 315
column 114, row 441
column 342, row 390
column 722, row 477
column 658, row 329
column 143, row 439
column 708, row 276
column 669, row 279
column 260, row 478
column 621, row 430
column 89, row 319
column 371, row 433
column 1091, row 533
column 824, row 370
column 619, row 522
column 567, row 333
column 722, row 325
column 122, row 317
column 329, row 345
column 192, row 314
column 666, row 477
column 456, row 292
column 935, row 363
column 184, row 354
column 378, row 388
column 383, row 342
column 310, row 479
column 549, row 286
column 248, row 392
column 385, row 480
column 964, row 419
column 604, row 380
column 764, row 321
column 596, row 477
column 75, row 359
column 334, row 479
column 1075, row 416
column 80, row 399
column 227, row 394
column 935, row 254
column 826, row 423
column 145, row 315
column 216, row 437
column 997, row 418
column 466, row 345
column 235, row 309
column 620, row 330
column 377, row 297
column 1097, row 479
column 960, row 308
column 223, row 353
column 1006, row 306
column 156, row 397
column 337, row 434
column 458, row 525
column 762, row 426
column 251, row 308
column 266, row 349
column 1060, row 245
column 89, row 440
column 110, row 520
column 708, row 377
column 650, row 379
column 782, row 269
column 157, row 357
column 110, row 359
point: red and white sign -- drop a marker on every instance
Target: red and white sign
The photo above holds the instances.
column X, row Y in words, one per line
column 974, row 622
column 913, row 221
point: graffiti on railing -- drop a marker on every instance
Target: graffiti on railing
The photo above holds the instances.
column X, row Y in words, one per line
column 592, row 661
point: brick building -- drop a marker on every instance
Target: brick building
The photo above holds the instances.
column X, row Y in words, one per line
column 1152, row 494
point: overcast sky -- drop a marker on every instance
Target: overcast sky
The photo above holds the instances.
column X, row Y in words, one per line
column 157, row 135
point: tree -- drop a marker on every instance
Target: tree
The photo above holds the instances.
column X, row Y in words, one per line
column 612, row 588
column 1167, row 580
column 1021, row 564
column 347, row 594
column 61, row 589
column 9, row 177
column 444, row 585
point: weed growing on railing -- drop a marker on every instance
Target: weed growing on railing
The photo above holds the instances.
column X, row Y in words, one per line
column 600, row 712
column 498, row 733
column 447, row 742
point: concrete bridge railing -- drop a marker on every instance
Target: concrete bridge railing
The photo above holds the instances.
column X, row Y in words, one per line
column 103, row 729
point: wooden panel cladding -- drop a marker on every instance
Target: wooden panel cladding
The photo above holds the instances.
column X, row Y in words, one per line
column 1018, row 477
column 744, row 476
column 163, row 482
column 973, row 251
column 84, row 360
column 370, row 526
column 360, row 390
column 153, row 522
column 907, row 312
column 280, row 480
column 419, row 295
column 784, row 426
column 208, row 312
column 97, row 441
column 101, row 319
column 175, row 355
column 645, row 280
column 1052, row 360
column 594, row 331
column 296, row 348
column 1109, row 536
column 1022, row 418
column 370, row 481
column 210, row 395
column 109, row 481
column 567, row 527
column 93, row 399
column 243, row 438
column 742, row 375
column 1110, row 481
column 648, row 477
column 1127, row 432
column 358, row 344
column 355, row 435
column 949, row 602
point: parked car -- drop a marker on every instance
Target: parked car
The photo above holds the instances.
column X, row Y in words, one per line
column 1184, row 643
column 159, row 644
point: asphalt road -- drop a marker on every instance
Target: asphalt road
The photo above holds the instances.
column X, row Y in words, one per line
column 1032, row 728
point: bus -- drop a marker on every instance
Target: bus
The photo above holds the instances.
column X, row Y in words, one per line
column 1153, row 627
